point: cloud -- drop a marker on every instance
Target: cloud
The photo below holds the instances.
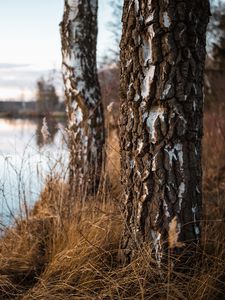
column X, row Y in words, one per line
column 12, row 65
column 21, row 77
column 17, row 81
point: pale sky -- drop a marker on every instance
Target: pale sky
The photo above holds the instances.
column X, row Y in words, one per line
column 30, row 42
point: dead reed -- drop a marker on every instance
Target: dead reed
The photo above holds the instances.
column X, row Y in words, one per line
column 63, row 252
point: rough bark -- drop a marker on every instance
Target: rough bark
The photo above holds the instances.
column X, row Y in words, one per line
column 83, row 98
column 162, row 64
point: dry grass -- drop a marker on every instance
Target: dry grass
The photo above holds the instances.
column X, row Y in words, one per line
column 64, row 252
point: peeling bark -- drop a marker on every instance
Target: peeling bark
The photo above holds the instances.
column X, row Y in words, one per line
column 83, row 97
column 162, row 64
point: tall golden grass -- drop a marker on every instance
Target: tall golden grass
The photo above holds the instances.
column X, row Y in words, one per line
column 63, row 251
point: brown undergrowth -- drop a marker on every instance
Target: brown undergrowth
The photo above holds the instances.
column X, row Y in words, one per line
column 68, row 252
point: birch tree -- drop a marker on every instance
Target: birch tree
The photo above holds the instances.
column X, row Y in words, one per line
column 162, row 65
column 83, row 98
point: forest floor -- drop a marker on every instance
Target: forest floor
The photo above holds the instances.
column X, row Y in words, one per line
column 65, row 252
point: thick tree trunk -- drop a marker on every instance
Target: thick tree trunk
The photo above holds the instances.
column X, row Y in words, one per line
column 83, row 98
column 162, row 64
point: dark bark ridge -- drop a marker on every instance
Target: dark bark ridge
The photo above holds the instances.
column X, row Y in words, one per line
column 162, row 64
column 83, row 97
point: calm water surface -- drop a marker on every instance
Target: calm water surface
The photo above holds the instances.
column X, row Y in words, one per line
column 26, row 161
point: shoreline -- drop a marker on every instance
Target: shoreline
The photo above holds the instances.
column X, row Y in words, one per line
column 33, row 115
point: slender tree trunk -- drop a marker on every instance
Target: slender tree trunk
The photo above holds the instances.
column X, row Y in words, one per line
column 162, row 65
column 83, row 98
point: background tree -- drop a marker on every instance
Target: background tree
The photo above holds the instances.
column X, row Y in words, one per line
column 162, row 65
column 46, row 97
column 83, row 99
column 217, row 34
column 115, row 27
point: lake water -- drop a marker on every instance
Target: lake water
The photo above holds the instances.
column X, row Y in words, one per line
column 26, row 160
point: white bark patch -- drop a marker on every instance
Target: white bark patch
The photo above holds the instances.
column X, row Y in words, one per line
column 174, row 155
column 196, row 41
column 144, row 116
column 143, row 106
column 208, row 85
column 181, row 189
column 80, row 86
column 156, row 218
column 72, row 3
column 166, row 210
column 129, row 89
column 73, row 58
column 166, row 20
column 145, row 175
column 194, row 105
column 154, row 164
column 129, row 62
column 85, row 144
column 156, row 238
column 174, row 231
column 132, row 163
column 149, row 19
column 84, row 153
column 145, row 192
column 136, row 6
column 166, row 91
column 139, row 210
column 196, row 228
column 179, row 148
column 151, row 32
column 147, row 51
column 196, row 151
column 147, row 45
column 110, row 107
column 148, row 78
column 139, row 173
column 195, row 89
column 140, row 147
column 73, row 8
column 151, row 120
column 181, row 193
column 67, row 81
column 78, row 114
column 131, row 114
column 136, row 98
column 171, row 154
column 197, row 190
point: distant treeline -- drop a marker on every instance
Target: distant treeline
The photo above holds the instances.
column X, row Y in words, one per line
column 28, row 109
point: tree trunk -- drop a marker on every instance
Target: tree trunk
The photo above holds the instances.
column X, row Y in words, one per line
column 83, row 98
column 162, row 65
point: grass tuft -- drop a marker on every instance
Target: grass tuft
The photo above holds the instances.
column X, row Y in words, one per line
column 71, row 252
